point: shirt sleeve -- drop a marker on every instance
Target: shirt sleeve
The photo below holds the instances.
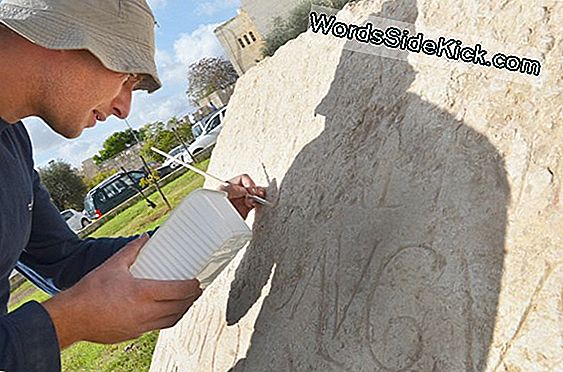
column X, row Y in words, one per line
column 28, row 340
column 55, row 252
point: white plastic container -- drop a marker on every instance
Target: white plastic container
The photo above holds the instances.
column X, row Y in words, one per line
column 198, row 240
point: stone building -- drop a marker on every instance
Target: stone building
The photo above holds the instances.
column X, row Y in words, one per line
column 129, row 159
column 89, row 168
column 241, row 41
column 242, row 37
column 218, row 99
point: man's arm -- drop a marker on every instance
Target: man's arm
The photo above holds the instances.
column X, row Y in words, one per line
column 28, row 340
column 104, row 303
column 54, row 259
column 109, row 305
column 55, row 252
column 61, row 258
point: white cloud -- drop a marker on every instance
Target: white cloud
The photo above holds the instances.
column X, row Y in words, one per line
column 171, row 70
column 163, row 58
column 42, row 137
column 48, row 145
column 78, row 150
column 211, row 7
column 155, row 108
column 190, row 48
column 157, row 3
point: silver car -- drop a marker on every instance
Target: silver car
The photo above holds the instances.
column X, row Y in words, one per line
column 178, row 152
column 206, row 132
column 75, row 220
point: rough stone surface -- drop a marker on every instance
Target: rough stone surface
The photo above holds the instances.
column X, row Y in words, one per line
column 419, row 215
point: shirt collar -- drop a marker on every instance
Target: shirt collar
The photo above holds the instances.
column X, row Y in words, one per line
column 3, row 125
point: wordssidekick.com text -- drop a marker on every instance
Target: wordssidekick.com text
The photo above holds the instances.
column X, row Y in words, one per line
column 396, row 38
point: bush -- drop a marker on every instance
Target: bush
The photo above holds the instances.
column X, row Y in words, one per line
column 296, row 23
column 152, row 178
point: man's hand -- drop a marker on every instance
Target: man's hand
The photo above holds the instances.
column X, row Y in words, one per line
column 239, row 188
column 109, row 305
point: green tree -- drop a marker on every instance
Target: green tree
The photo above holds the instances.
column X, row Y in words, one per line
column 162, row 136
column 156, row 135
column 183, row 129
column 64, row 184
column 116, row 143
column 284, row 30
column 208, row 75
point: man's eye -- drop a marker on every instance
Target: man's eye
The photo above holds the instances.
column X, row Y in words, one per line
column 132, row 80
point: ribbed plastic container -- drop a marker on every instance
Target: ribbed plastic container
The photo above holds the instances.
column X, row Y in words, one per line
column 198, row 240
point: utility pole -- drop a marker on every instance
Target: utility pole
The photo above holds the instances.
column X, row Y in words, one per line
column 148, row 170
column 179, row 137
column 139, row 190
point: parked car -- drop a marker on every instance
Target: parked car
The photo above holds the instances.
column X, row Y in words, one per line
column 178, row 152
column 75, row 220
column 164, row 170
column 207, row 131
column 112, row 192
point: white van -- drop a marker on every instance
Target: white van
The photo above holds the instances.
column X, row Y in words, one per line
column 206, row 131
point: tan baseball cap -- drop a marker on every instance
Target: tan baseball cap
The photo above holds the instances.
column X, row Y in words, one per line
column 120, row 33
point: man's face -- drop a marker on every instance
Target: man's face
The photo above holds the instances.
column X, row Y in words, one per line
column 78, row 91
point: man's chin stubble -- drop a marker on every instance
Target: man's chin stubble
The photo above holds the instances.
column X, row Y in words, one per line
column 68, row 133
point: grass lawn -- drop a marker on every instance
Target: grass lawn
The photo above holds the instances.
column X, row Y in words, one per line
column 134, row 355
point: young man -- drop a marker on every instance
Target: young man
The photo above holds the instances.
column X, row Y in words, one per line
column 74, row 63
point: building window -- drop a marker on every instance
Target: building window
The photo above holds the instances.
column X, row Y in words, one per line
column 252, row 36
column 246, row 39
column 241, row 42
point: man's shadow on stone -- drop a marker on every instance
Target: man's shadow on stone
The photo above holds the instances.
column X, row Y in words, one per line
column 388, row 236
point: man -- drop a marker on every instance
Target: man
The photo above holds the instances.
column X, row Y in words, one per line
column 74, row 63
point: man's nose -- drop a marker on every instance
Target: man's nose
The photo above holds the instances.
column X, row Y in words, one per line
column 121, row 105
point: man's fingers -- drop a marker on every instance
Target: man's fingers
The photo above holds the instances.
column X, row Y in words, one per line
column 235, row 191
column 171, row 308
column 129, row 253
column 261, row 192
column 249, row 202
column 247, row 182
column 239, row 190
column 242, row 185
column 244, row 181
column 165, row 322
column 172, row 290
column 172, row 313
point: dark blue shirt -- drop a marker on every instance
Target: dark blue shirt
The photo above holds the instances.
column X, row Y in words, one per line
column 35, row 237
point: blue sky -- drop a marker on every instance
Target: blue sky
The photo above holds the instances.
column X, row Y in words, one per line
column 184, row 35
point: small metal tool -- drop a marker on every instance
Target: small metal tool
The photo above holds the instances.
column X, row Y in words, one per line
column 256, row 198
